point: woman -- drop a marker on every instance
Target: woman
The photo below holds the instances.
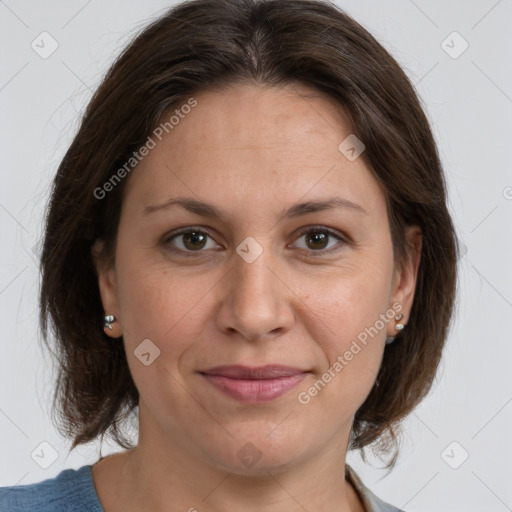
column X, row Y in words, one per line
column 248, row 247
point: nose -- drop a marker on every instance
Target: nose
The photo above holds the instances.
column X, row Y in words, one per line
column 256, row 303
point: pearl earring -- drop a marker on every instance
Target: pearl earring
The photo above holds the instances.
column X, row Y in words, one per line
column 107, row 321
column 398, row 327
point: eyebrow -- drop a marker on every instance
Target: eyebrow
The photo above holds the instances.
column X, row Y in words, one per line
column 208, row 210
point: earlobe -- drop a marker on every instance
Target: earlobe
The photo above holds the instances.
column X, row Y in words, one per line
column 406, row 275
column 108, row 290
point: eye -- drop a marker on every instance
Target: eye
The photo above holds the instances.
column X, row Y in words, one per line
column 317, row 239
column 189, row 240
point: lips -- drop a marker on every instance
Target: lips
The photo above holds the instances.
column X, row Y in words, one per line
column 255, row 373
column 254, row 384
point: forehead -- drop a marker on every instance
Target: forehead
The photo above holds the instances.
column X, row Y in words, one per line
column 255, row 144
column 258, row 119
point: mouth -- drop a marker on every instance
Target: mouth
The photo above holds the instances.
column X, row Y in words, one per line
column 254, row 384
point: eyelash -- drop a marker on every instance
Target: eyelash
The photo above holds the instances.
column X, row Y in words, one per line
column 314, row 229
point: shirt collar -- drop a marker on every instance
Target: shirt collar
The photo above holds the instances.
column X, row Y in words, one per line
column 370, row 502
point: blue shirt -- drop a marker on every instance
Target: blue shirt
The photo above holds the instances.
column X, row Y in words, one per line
column 72, row 490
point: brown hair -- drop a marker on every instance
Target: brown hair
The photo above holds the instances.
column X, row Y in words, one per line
column 196, row 46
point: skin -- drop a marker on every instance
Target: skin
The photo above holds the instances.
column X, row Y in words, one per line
column 252, row 152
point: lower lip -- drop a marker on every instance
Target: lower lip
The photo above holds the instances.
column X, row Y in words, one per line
column 254, row 391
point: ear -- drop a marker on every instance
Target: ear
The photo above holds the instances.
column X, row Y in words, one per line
column 107, row 286
column 406, row 273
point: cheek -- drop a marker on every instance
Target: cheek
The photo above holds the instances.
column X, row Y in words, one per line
column 167, row 308
column 157, row 302
column 349, row 302
column 351, row 316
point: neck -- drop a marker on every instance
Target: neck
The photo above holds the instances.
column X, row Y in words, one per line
column 159, row 474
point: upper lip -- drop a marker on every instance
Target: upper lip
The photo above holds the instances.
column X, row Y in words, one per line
column 272, row 371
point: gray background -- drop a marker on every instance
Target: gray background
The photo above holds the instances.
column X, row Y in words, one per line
column 468, row 97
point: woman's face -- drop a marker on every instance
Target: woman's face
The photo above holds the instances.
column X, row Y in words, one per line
column 263, row 281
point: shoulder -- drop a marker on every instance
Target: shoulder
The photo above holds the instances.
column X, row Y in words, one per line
column 72, row 490
column 371, row 502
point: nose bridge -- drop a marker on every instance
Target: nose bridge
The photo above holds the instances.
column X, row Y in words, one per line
column 254, row 277
column 252, row 283
column 253, row 261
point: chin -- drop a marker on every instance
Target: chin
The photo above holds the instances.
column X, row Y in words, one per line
column 257, row 454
